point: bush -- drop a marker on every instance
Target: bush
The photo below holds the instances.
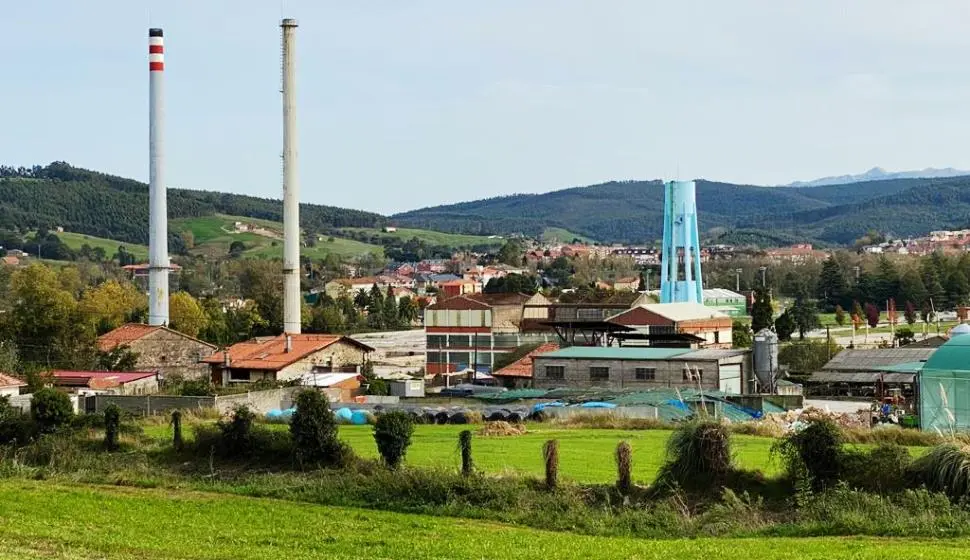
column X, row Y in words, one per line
column 882, row 469
column 112, row 424
column 196, row 388
column 393, row 436
column 15, row 428
column 236, row 431
column 314, row 430
column 378, row 387
column 815, row 451
column 698, row 453
column 51, row 409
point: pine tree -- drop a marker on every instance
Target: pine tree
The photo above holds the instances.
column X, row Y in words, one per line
column 785, row 325
column 762, row 314
column 911, row 288
column 910, row 313
column 832, row 286
column 389, row 310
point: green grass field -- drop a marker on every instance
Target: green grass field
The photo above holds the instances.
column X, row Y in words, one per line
column 46, row 520
column 214, row 234
column 586, row 455
column 560, row 235
column 433, row 237
column 77, row 240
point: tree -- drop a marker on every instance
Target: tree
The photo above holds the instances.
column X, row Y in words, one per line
column 361, row 299
column 236, row 249
column 110, row 305
column 858, row 315
column 762, row 314
column 393, row 436
column 375, row 309
column 511, row 253
column 957, row 288
column 911, row 288
column 839, row 315
column 887, row 280
column 188, row 239
column 185, row 314
column 785, row 325
column 51, row 409
column 9, row 357
column 407, row 310
column 910, row 313
column 807, row 356
column 741, row 335
column 642, row 284
column 832, row 286
column 872, row 315
column 805, row 315
column 511, row 284
column 314, row 430
column 119, row 358
column 389, row 310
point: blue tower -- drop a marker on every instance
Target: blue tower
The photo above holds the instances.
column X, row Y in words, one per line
column 680, row 272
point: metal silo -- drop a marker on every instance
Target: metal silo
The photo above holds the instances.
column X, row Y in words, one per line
column 766, row 359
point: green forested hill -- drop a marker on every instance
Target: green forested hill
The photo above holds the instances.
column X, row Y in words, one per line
column 631, row 211
column 112, row 207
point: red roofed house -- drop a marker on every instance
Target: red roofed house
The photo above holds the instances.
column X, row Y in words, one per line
column 460, row 287
column 120, row 383
column 287, row 358
column 627, row 284
column 161, row 349
column 519, row 373
column 10, row 386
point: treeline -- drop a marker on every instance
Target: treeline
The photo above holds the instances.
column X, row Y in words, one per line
column 103, row 205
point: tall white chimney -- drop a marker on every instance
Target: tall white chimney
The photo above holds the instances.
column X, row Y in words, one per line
column 291, row 185
column 158, row 264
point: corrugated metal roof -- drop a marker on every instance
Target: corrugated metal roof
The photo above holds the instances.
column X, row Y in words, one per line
column 615, row 353
column 905, row 367
column 875, row 359
column 861, row 377
column 721, row 293
column 684, row 311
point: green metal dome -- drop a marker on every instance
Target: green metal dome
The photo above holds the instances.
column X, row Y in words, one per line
column 954, row 355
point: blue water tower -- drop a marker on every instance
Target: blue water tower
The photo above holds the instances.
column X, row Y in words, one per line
column 680, row 266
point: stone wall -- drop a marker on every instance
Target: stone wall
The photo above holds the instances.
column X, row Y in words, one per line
column 149, row 404
column 338, row 355
column 172, row 354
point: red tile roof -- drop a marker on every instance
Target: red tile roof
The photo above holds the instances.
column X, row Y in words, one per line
column 98, row 379
column 130, row 332
column 7, row 381
column 523, row 366
column 271, row 354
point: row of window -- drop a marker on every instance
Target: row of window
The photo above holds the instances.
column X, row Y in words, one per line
column 485, row 340
column 601, row 373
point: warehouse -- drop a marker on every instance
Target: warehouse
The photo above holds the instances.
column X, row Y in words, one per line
column 944, row 386
column 643, row 368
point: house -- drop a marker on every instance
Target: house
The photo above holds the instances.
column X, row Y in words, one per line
column 10, row 386
column 460, row 287
column 629, row 284
column 11, row 260
column 119, row 383
column 161, row 349
column 518, row 374
column 468, row 331
column 389, row 229
column 287, row 358
column 800, row 252
column 399, row 293
column 434, row 266
column 714, row 327
column 16, row 253
column 643, row 368
column 339, row 387
column 350, row 286
column 426, row 280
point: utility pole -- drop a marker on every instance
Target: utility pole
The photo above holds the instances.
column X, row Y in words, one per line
column 763, row 269
column 737, row 280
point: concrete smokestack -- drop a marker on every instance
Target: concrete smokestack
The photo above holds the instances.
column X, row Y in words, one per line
column 158, row 264
column 291, row 185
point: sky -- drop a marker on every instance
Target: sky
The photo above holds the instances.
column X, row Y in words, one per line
column 410, row 104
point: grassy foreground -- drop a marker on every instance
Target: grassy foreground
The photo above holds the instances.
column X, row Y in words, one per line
column 44, row 520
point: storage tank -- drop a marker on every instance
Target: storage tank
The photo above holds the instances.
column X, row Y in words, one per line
column 766, row 359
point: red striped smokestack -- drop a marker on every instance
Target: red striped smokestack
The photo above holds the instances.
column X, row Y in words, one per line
column 158, row 264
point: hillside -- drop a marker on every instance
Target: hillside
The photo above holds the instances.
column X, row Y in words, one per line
column 880, row 174
column 632, row 211
column 92, row 203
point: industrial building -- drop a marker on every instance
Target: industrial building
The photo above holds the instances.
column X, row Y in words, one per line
column 944, row 386
column 863, row 372
column 159, row 348
column 728, row 302
column 724, row 370
column 706, row 327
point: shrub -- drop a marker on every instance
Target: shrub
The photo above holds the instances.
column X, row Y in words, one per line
column 314, row 430
column 882, row 469
column 15, row 428
column 51, row 409
column 377, row 386
column 465, row 445
column 698, row 453
column 112, row 423
column 550, row 455
column 236, row 431
column 946, row 468
column 196, row 388
column 624, row 467
column 816, row 451
column 393, row 435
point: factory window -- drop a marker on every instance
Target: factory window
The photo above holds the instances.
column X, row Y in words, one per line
column 459, row 341
column 646, row 374
column 599, row 373
column 555, row 372
column 693, row 374
column 437, row 341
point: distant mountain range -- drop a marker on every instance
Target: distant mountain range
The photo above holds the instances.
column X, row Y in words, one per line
column 632, row 211
column 880, row 174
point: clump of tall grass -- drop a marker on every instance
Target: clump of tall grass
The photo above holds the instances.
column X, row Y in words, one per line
column 946, row 468
column 606, row 421
column 814, row 451
column 624, row 467
column 698, row 455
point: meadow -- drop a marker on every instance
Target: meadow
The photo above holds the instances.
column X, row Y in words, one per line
column 432, row 237
column 49, row 520
column 77, row 240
